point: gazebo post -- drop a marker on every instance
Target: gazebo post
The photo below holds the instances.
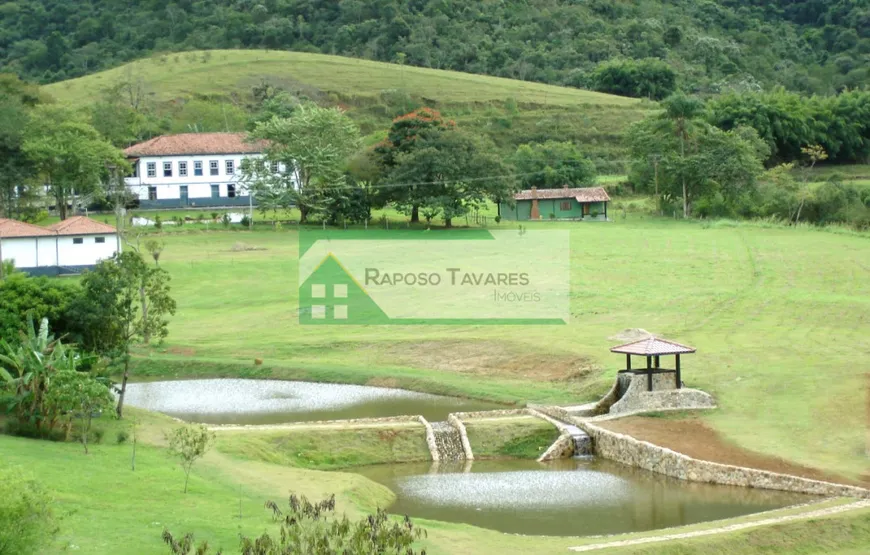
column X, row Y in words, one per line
column 658, row 362
column 649, row 373
column 628, row 362
column 679, row 381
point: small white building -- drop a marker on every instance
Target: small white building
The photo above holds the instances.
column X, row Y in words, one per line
column 68, row 247
column 192, row 170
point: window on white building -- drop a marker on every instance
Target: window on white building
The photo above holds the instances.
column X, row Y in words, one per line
column 197, row 168
column 231, row 167
column 99, row 240
column 135, row 169
column 274, row 167
column 152, row 193
column 213, row 167
column 167, row 169
column 152, row 169
column 78, row 240
column 231, row 191
column 182, row 169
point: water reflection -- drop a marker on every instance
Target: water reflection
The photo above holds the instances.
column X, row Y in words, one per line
column 235, row 401
column 564, row 498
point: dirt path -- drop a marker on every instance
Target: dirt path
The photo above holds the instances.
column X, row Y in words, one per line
column 694, row 438
column 726, row 529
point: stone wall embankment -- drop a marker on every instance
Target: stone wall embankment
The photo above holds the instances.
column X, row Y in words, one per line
column 641, row 454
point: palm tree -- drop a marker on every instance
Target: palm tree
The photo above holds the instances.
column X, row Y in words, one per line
column 682, row 117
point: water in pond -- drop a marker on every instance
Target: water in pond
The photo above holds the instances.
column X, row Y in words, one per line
column 231, row 401
column 564, row 498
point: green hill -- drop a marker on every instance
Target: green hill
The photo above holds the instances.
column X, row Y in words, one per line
column 213, row 91
column 227, row 72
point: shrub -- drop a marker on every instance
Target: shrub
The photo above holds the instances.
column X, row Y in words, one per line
column 246, row 221
column 315, row 528
column 158, row 222
column 214, row 216
column 122, row 436
column 225, row 219
column 27, row 522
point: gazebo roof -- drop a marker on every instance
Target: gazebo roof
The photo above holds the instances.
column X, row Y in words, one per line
column 652, row 346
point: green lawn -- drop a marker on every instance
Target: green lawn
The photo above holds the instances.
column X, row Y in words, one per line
column 521, row 436
column 779, row 317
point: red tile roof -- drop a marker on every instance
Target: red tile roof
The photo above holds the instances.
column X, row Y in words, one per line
column 652, row 346
column 80, row 225
column 14, row 228
column 196, row 143
column 582, row 194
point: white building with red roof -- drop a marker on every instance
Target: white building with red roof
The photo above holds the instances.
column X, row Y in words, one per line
column 67, row 247
column 192, row 170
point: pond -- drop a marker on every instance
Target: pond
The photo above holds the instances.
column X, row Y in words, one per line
column 236, row 401
column 571, row 497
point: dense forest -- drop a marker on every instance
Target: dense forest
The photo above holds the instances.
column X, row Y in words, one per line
column 707, row 46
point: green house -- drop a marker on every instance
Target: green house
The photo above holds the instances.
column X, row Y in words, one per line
column 578, row 203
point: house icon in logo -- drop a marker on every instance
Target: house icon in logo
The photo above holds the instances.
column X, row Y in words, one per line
column 331, row 295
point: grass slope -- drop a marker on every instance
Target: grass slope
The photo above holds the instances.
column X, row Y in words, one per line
column 779, row 317
column 329, row 448
column 522, row 437
column 223, row 72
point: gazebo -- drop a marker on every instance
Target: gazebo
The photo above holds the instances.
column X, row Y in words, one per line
column 653, row 348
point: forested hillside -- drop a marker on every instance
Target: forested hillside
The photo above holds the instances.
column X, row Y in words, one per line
column 636, row 48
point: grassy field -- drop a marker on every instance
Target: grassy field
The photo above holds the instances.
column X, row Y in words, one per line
column 221, row 72
column 779, row 317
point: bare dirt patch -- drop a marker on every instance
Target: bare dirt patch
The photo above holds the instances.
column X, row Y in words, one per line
column 183, row 351
column 694, row 438
column 383, row 382
column 490, row 358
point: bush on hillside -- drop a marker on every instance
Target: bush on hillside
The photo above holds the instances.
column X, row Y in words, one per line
column 27, row 521
column 315, row 528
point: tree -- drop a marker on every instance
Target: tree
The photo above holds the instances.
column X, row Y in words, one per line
column 190, row 443
column 123, row 301
column 314, row 144
column 74, row 394
column 692, row 158
column 16, row 169
column 406, row 133
column 648, row 78
column 553, row 165
column 27, row 521
column 70, row 154
column 23, row 298
column 451, row 172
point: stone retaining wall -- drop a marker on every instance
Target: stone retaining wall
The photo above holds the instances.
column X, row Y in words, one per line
column 430, row 439
column 642, row 454
column 290, row 425
column 490, row 413
column 454, row 421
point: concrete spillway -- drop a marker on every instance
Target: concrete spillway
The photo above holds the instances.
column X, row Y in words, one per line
column 448, row 442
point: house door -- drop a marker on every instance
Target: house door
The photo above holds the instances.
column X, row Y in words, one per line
column 183, row 191
column 215, row 191
column 585, row 208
